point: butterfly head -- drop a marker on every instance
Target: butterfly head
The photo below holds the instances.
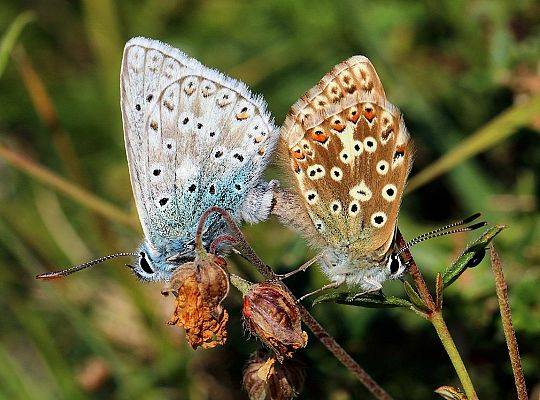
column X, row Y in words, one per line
column 395, row 265
column 158, row 265
column 147, row 268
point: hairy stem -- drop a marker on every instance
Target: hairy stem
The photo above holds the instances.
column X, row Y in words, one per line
column 506, row 318
column 436, row 318
column 326, row 339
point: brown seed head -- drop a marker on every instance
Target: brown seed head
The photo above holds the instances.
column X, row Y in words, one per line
column 266, row 379
column 200, row 287
column 272, row 314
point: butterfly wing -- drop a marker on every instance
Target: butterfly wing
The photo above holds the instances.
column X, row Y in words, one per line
column 194, row 138
column 350, row 154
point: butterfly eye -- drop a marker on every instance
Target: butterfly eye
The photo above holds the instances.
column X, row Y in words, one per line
column 395, row 266
column 145, row 265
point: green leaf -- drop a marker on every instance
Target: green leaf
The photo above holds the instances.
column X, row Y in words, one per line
column 369, row 300
column 9, row 39
column 471, row 256
column 415, row 297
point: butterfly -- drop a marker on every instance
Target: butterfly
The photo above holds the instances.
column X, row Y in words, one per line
column 194, row 139
column 348, row 153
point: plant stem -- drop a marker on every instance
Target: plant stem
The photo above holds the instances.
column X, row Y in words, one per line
column 436, row 318
column 495, row 131
column 46, row 110
column 508, row 328
column 325, row 338
column 67, row 188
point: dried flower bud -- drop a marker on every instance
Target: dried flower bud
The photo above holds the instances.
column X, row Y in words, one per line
column 450, row 393
column 200, row 287
column 265, row 379
column 272, row 314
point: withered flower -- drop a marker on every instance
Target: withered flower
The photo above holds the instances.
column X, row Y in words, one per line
column 450, row 393
column 266, row 379
column 272, row 314
column 200, row 287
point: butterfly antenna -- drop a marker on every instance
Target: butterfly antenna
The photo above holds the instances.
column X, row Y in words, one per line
column 76, row 268
column 446, row 227
column 445, row 230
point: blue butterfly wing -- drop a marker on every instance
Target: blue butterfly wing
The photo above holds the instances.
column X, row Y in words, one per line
column 194, row 139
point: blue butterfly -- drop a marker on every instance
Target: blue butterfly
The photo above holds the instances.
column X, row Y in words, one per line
column 194, row 138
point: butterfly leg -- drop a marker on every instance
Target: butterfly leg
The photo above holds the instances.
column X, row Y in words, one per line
column 332, row 285
column 301, row 268
column 375, row 287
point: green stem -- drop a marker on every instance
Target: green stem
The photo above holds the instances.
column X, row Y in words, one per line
column 437, row 320
column 241, row 284
column 435, row 317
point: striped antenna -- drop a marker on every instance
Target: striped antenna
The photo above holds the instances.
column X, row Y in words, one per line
column 445, row 230
column 65, row 272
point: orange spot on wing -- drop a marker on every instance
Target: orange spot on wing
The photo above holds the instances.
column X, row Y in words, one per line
column 353, row 114
column 298, row 154
column 337, row 125
column 318, row 135
column 242, row 115
column 369, row 113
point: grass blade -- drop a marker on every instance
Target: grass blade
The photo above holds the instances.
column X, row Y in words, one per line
column 12, row 34
column 494, row 132
column 85, row 198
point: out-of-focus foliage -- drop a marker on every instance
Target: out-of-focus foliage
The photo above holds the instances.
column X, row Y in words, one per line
column 451, row 66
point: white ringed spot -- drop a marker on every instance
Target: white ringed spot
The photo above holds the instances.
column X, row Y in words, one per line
column 389, row 192
column 370, row 144
column 358, row 148
column 315, row 171
column 378, row 219
column 345, row 156
column 319, row 225
column 335, row 207
column 382, row 167
column 336, row 173
column 361, row 192
column 354, row 208
column 312, row 196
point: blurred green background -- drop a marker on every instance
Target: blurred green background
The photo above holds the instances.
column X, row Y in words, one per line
column 466, row 75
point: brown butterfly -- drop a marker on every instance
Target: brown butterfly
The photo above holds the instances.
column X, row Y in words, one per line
column 349, row 154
